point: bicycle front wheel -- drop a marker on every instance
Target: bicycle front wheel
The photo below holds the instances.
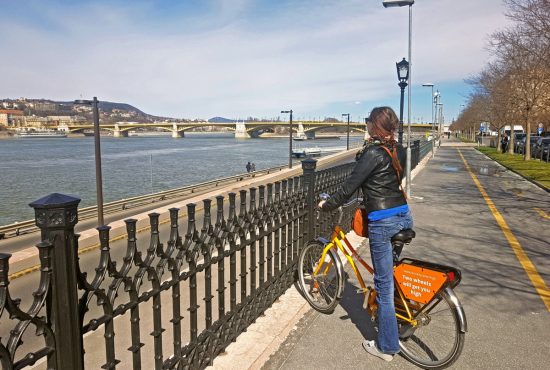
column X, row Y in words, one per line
column 321, row 280
column 437, row 340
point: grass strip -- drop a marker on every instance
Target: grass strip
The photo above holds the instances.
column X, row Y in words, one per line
column 533, row 169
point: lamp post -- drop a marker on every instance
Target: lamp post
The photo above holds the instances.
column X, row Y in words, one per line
column 402, row 76
column 98, row 178
column 462, row 106
column 436, row 102
column 289, row 139
column 409, row 3
column 347, row 141
column 440, row 119
column 428, row 84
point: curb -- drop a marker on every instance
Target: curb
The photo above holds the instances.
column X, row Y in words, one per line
column 517, row 173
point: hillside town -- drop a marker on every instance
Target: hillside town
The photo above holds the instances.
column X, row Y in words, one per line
column 42, row 113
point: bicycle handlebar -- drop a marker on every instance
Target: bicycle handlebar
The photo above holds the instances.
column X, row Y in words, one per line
column 325, row 196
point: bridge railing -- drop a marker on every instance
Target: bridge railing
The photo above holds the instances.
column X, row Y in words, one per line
column 174, row 301
column 85, row 213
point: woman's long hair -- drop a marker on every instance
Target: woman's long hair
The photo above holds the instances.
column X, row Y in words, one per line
column 384, row 123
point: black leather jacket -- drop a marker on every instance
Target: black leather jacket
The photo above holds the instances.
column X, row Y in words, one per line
column 375, row 175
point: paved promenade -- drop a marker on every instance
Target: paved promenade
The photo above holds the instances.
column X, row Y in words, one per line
column 469, row 212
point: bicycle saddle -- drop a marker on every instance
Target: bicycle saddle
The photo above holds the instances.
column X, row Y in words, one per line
column 404, row 236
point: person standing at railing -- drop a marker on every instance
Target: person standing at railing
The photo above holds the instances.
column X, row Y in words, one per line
column 378, row 174
column 248, row 167
column 504, row 143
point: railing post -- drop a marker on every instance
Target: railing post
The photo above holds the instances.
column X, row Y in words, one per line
column 308, row 167
column 56, row 215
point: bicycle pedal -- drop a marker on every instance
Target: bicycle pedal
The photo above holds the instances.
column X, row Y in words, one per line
column 366, row 291
column 366, row 302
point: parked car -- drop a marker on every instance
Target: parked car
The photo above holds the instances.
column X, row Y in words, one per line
column 541, row 147
column 520, row 146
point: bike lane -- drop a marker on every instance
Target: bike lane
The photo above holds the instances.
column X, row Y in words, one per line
column 521, row 209
column 508, row 322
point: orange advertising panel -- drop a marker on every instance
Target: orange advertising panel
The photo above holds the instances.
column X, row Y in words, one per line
column 417, row 283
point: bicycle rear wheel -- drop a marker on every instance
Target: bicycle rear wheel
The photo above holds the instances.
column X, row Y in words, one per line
column 437, row 340
column 324, row 289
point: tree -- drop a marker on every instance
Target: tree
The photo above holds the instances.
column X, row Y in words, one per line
column 522, row 53
column 469, row 119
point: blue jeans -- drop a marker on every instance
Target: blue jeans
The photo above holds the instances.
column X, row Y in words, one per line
column 380, row 233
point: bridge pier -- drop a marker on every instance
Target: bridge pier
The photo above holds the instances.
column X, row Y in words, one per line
column 176, row 134
column 240, row 131
column 310, row 135
column 119, row 133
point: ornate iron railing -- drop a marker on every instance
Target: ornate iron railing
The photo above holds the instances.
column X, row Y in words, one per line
column 172, row 305
column 419, row 150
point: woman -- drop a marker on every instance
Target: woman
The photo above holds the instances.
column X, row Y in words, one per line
column 378, row 174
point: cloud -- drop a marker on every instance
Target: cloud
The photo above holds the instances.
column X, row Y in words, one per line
column 241, row 57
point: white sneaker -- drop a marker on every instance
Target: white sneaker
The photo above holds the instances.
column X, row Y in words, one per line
column 370, row 347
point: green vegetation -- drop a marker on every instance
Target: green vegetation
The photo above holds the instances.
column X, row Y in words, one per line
column 534, row 170
column 465, row 139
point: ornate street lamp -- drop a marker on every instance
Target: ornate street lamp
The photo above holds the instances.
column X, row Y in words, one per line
column 440, row 120
column 429, row 84
column 437, row 101
column 347, row 142
column 392, row 3
column 409, row 3
column 402, row 76
column 98, row 178
column 289, row 139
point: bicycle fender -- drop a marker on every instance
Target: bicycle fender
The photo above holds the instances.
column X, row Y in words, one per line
column 340, row 271
column 459, row 310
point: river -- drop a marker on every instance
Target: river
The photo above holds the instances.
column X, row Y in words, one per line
column 33, row 168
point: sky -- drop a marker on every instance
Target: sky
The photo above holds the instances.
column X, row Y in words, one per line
column 241, row 58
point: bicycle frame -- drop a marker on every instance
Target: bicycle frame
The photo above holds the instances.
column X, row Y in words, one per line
column 403, row 309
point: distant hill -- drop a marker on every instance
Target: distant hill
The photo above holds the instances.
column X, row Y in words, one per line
column 221, row 120
column 108, row 106
column 110, row 112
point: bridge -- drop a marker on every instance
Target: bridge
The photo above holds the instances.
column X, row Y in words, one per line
column 244, row 130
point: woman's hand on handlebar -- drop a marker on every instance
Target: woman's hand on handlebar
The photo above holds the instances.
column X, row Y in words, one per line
column 323, row 197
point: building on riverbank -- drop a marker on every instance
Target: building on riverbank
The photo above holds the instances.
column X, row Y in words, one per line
column 12, row 118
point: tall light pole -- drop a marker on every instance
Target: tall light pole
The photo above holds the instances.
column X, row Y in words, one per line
column 462, row 106
column 437, row 101
column 98, row 178
column 347, row 142
column 429, row 84
column 289, row 139
column 409, row 3
column 440, row 120
column 402, row 76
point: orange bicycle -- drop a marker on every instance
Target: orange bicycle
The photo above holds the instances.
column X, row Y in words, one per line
column 431, row 320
